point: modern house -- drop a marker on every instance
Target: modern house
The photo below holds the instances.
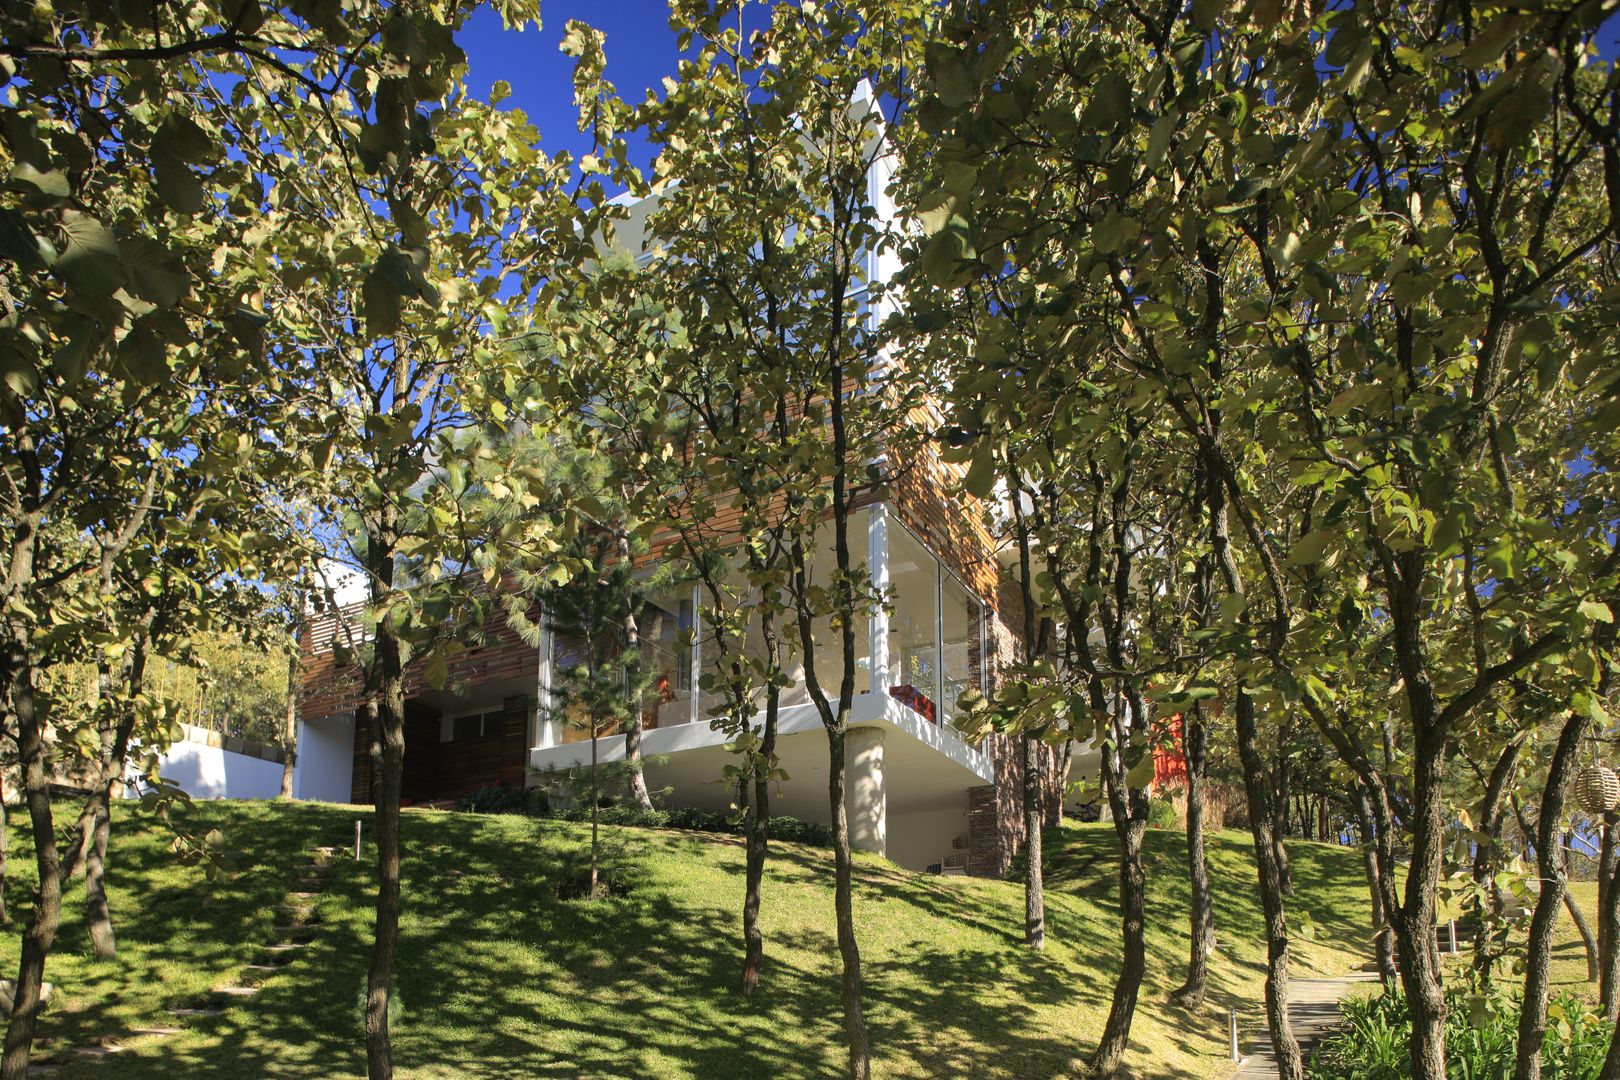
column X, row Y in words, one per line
column 917, row 792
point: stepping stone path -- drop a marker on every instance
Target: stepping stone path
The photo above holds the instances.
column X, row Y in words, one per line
column 296, row 932
column 1313, row 1013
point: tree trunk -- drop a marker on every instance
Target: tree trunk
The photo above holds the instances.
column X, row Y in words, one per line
column 1588, row 939
column 1550, row 867
column 5, row 845
column 47, row 913
column 1201, row 919
column 388, row 765
column 1279, row 816
column 843, row 901
column 1270, row 858
column 758, row 837
column 1270, row 865
column 103, row 943
column 1417, row 952
column 1129, row 807
column 1489, row 933
column 1034, row 642
column 596, row 813
column 289, row 729
column 1034, row 819
column 1608, row 928
column 115, row 750
column 636, row 783
column 1385, row 937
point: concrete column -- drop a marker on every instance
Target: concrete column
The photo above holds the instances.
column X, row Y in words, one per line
column 545, row 729
column 878, row 560
column 865, row 798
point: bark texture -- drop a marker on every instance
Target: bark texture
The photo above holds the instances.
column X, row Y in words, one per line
column 1201, row 917
column 1550, row 868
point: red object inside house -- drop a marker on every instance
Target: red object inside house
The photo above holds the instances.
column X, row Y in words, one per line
column 916, row 700
column 1169, row 756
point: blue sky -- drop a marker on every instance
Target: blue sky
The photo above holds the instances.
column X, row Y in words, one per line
column 640, row 52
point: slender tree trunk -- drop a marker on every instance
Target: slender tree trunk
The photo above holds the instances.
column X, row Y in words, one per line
column 289, row 728
column 1270, row 858
column 843, row 900
column 388, row 763
column 637, row 780
column 1417, row 952
column 596, row 812
column 1201, row 919
column 1488, row 933
column 1578, row 917
column 98, row 913
column 1384, row 947
column 1550, row 867
column 1270, row 865
column 1279, row 814
column 1034, row 645
column 5, row 845
column 388, row 766
column 1034, row 819
column 115, row 751
column 1065, row 761
column 758, row 841
column 1129, row 807
column 47, row 913
column 1608, row 919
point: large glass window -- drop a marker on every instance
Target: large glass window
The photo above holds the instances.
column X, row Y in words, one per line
column 826, row 636
column 936, row 632
column 665, row 630
column 829, row 645
column 572, row 717
column 914, row 674
column 962, row 656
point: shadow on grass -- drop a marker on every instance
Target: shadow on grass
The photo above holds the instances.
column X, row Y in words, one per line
column 497, row 977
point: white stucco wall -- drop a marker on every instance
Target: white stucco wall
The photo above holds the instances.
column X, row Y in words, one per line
column 325, row 766
column 209, row 772
column 923, row 837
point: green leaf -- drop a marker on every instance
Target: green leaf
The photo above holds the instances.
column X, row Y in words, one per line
column 89, row 261
column 1499, row 558
column 1110, row 102
column 143, row 356
column 981, row 474
column 52, row 184
column 437, row 669
column 947, row 257
column 1309, row 548
column 382, row 302
column 1595, row 611
column 1140, row 775
column 18, row 243
column 185, row 139
column 18, row 373
column 153, row 272
column 1206, row 12
column 177, row 185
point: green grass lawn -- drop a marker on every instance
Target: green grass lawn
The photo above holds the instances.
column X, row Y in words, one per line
column 498, row 978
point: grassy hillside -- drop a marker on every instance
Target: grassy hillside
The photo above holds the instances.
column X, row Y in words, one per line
column 498, row 977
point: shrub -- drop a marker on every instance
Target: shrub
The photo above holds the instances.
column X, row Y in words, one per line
column 1162, row 814
column 695, row 819
column 500, row 799
column 1481, row 1037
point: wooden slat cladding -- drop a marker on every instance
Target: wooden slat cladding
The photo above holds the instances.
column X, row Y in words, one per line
column 436, row 770
column 325, row 689
column 951, row 525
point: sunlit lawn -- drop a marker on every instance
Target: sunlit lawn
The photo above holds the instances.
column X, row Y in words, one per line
column 497, row 977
